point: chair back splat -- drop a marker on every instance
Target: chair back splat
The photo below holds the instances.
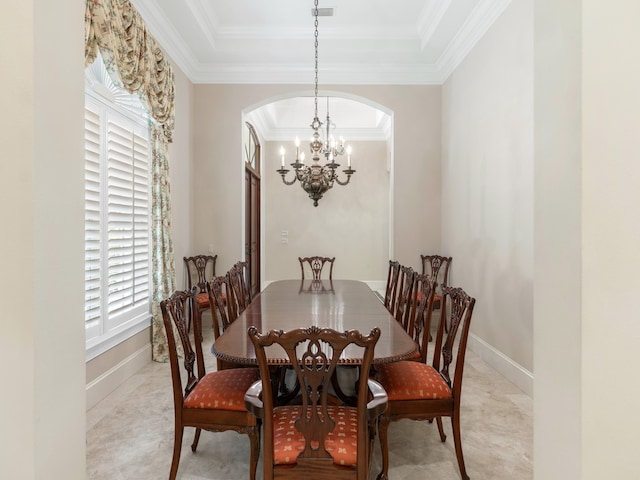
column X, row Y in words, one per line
column 420, row 317
column 239, row 291
column 405, row 297
column 458, row 320
column 305, row 441
column 200, row 269
column 225, row 311
column 392, row 286
column 437, row 267
column 316, row 264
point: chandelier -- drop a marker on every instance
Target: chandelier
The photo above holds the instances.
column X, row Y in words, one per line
column 316, row 179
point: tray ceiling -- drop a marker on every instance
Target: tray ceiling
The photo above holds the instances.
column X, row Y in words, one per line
column 365, row 42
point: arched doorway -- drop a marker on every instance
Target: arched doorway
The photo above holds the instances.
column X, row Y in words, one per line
column 345, row 216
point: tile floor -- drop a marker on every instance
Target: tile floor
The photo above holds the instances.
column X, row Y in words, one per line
column 130, row 434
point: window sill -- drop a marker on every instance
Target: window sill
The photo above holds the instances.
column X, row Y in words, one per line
column 97, row 346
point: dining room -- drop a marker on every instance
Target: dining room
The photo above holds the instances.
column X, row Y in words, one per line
column 130, row 432
column 497, row 162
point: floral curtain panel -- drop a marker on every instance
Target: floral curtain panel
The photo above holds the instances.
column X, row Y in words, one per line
column 135, row 61
column 163, row 268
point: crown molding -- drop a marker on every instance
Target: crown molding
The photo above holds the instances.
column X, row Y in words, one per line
column 474, row 28
column 430, row 18
column 206, row 20
column 332, row 33
column 363, row 74
column 167, row 36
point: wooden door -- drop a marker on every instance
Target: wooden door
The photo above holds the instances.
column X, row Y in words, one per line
column 252, row 229
column 252, row 208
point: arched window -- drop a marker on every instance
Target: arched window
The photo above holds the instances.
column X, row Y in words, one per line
column 117, row 212
column 252, row 148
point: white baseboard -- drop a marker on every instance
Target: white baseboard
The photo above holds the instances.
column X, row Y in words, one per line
column 106, row 383
column 504, row 365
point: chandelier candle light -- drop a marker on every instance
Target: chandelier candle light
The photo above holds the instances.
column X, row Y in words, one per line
column 316, row 179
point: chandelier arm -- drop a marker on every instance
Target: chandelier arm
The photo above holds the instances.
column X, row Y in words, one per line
column 339, row 182
column 349, row 172
column 287, row 182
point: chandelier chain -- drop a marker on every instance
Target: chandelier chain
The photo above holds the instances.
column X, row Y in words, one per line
column 316, row 57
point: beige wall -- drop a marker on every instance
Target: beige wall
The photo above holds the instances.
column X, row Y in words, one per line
column 103, row 364
column 557, row 241
column 610, row 239
column 181, row 160
column 487, row 182
column 350, row 223
column 41, row 211
column 219, row 180
column 586, row 240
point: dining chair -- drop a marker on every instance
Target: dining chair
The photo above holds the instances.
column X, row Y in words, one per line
column 218, row 294
column 316, row 264
column 420, row 314
column 206, row 401
column 406, row 296
column 420, row 391
column 316, row 439
column 200, row 269
column 239, row 289
column 438, row 267
column 243, row 272
column 391, row 289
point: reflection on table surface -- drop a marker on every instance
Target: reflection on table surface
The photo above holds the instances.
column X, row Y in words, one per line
column 338, row 304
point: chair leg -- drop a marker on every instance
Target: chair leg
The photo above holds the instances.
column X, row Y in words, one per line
column 254, row 439
column 373, row 432
column 196, row 439
column 177, row 448
column 455, row 424
column 443, row 437
column 383, row 426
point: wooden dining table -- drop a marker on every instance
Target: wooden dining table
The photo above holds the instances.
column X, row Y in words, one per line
column 339, row 304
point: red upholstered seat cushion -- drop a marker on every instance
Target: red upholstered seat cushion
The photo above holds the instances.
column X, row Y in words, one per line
column 223, row 390
column 412, row 381
column 436, row 297
column 202, row 299
column 342, row 443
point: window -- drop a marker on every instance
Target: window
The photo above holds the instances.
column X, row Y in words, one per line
column 252, row 148
column 117, row 214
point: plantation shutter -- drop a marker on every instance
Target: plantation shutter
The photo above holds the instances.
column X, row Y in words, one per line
column 128, row 221
column 92, row 222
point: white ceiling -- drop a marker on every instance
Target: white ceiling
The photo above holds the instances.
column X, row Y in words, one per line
column 404, row 42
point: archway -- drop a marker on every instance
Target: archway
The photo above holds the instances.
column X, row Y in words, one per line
column 287, row 222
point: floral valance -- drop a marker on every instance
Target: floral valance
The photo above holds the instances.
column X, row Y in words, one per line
column 117, row 29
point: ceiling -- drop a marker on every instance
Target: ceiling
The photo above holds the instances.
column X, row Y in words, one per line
column 403, row 42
